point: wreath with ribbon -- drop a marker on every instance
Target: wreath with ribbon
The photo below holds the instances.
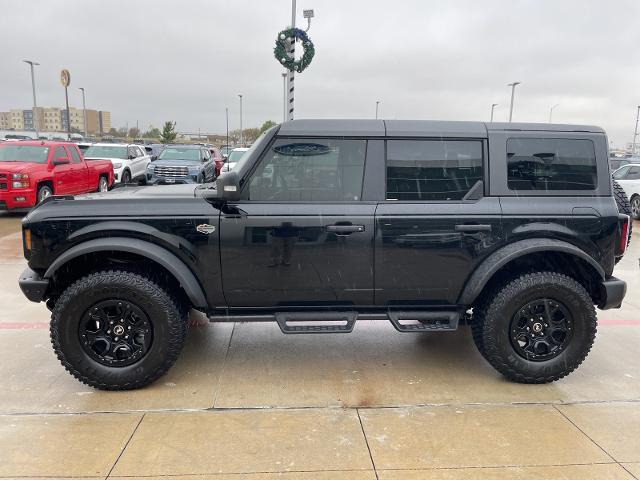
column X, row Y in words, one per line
column 282, row 55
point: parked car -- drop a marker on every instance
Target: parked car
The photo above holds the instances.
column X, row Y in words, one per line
column 154, row 149
column 129, row 161
column 217, row 158
column 513, row 228
column 225, row 150
column 628, row 176
column 83, row 146
column 617, row 162
column 234, row 157
column 182, row 164
column 31, row 171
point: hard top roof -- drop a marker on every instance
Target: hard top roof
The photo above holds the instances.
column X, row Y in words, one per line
column 416, row 128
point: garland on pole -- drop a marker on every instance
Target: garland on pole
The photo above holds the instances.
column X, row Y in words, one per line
column 281, row 54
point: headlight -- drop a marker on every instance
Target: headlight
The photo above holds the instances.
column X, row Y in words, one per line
column 117, row 165
column 151, row 167
column 20, row 180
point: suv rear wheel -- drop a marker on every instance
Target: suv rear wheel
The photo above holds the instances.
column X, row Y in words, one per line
column 537, row 328
column 117, row 330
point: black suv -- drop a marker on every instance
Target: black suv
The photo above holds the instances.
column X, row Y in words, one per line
column 511, row 228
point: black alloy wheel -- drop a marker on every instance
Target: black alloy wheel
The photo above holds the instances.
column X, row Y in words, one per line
column 115, row 333
column 541, row 329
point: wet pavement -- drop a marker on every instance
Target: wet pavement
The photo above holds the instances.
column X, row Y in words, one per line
column 246, row 402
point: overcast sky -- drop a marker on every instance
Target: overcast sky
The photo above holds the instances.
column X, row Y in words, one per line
column 153, row 61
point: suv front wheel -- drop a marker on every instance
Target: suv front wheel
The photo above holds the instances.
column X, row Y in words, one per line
column 117, row 330
column 537, row 328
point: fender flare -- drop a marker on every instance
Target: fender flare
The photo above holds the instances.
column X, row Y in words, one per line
column 498, row 259
column 153, row 252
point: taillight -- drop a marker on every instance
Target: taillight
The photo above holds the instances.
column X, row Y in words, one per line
column 624, row 234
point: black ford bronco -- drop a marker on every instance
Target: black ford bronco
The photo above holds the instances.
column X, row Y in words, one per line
column 513, row 229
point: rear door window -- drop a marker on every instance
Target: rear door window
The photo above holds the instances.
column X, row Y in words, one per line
column 432, row 170
column 75, row 156
column 551, row 164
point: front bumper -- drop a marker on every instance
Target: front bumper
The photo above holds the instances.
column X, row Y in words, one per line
column 153, row 179
column 17, row 199
column 33, row 285
column 612, row 292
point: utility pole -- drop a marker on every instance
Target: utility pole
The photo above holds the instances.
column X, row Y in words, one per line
column 33, row 87
column 84, row 111
column 513, row 91
column 284, row 97
column 635, row 132
column 226, row 111
column 551, row 111
column 377, row 104
column 291, row 74
column 241, row 136
column 493, row 106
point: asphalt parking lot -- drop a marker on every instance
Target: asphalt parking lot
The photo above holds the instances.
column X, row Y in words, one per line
column 246, row 402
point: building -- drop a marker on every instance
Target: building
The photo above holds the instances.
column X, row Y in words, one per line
column 17, row 119
column 5, row 120
column 104, row 122
column 55, row 120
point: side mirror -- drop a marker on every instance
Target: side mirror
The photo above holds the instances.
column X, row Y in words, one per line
column 61, row 161
column 131, row 157
column 228, row 186
column 154, row 158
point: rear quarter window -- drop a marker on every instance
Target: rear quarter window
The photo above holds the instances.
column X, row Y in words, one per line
column 551, row 164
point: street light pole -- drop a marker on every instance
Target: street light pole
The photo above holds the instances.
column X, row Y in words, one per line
column 226, row 111
column 377, row 103
column 284, row 97
column 635, row 132
column 84, row 111
column 33, row 87
column 513, row 91
column 493, row 106
column 241, row 137
column 551, row 111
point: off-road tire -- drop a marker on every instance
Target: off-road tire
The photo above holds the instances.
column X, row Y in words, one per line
column 624, row 206
column 167, row 315
column 492, row 321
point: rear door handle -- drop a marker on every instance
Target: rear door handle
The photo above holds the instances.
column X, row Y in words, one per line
column 345, row 229
column 472, row 228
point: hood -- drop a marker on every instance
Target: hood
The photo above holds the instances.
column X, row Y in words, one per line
column 182, row 190
column 106, row 159
column 20, row 167
column 176, row 163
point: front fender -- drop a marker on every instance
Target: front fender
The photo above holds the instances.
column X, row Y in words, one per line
column 153, row 252
column 498, row 259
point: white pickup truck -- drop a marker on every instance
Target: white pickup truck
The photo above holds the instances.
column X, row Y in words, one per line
column 130, row 161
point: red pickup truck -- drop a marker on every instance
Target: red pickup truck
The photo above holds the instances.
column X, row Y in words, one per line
column 31, row 171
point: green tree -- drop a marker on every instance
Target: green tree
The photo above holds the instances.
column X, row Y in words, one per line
column 169, row 133
column 153, row 132
column 267, row 125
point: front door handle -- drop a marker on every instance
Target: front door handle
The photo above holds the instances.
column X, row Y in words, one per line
column 345, row 229
column 472, row 228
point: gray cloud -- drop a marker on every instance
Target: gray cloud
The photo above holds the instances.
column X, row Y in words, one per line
column 153, row 61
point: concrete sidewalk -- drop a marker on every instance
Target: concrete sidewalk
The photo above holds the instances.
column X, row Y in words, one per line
column 246, row 402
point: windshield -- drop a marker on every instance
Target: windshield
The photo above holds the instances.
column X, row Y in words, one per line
column 177, row 153
column 106, row 151
column 23, row 153
column 236, row 155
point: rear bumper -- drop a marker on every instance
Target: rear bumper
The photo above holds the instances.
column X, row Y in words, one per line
column 17, row 199
column 33, row 285
column 612, row 292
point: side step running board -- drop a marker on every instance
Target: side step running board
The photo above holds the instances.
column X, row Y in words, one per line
column 331, row 322
column 424, row 321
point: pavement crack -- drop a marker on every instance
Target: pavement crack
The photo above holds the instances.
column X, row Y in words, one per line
column 366, row 441
column 223, row 367
column 125, row 446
